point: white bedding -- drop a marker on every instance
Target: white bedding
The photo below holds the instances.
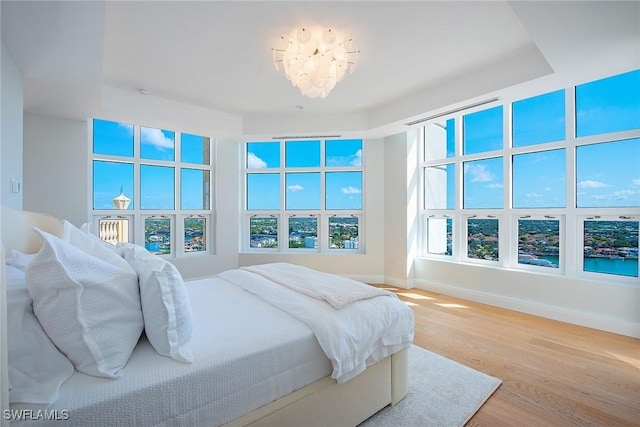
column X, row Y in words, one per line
column 228, row 377
column 354, row 337
column 336, row 290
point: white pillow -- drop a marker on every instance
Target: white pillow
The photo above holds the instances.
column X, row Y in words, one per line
column 87, row 302
column 37, row 369
column 165, row 303
column 18, row 259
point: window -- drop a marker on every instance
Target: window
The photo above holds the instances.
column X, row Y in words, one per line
column 539, row 179
column 483, row 183
column 539, row 119
column 439, row 187
column 608, row 105
column 142, row 193
column 539, row 242
column 296, row 189
column 607, row 174
column 440, row 236
column 483, row 239
column 611, row 247
column 483, row 131
column 528, row 175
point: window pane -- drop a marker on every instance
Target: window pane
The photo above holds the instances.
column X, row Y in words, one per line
column 156, row 144
column 482, row 131
column 110, row 181
column 262, row 155
column 303, row 190
column 157, row 184
column 346, row 152
column 539, row 119
column 112, row 138
column 114, row 230
column 195, row 234
column 264, row 232
column 483, row 181
column 343, row 232
column 482, row 239
column 157, row 235
column 195, row 149
column 263, row 191
column 440, row 187
column 608, row 105
column 539, row 242
column 607, row 174
column 439, row 236
column 611, row 247
column 303, row 232
column 302, row 154
column 539, row 180
column 194, row 188
column 439, row 140
column 343, row 190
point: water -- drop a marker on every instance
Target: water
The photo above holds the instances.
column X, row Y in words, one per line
column 619, row 267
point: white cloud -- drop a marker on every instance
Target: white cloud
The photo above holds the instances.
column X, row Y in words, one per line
column 295, row 187
column 622, row 194
column 126, row 128
column 592, row 184
column 255, row 162
column 357, row 159
column 635, row 182
column 157, row 138
column 350, row 160
column 534, row 195
column 478, row 173
column 350, row 190
column 496, row 185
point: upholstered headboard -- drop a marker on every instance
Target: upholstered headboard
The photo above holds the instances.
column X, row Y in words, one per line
column 17, row 229
column 18, row 234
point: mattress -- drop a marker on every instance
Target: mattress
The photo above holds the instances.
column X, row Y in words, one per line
column 246, row 354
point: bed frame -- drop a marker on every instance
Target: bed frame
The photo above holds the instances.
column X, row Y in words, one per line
column 322, row 403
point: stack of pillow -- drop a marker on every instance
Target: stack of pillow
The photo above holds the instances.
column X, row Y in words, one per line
column 80, row 303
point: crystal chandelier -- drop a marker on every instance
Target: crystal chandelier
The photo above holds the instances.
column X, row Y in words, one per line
column 315, row 59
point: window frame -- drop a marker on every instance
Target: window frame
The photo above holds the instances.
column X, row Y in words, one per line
column 136, row 215
column 570, row 216
column 283, row 214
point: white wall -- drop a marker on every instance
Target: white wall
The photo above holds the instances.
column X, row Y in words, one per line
column 608, row 306
column 367, row 267
column 55, row 167
column 399, row 207
column 11, row 128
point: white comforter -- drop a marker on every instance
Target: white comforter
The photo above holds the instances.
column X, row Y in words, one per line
column 353, row 337
column 336, row 290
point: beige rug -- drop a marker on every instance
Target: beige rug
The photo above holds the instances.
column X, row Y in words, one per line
column 442, row 393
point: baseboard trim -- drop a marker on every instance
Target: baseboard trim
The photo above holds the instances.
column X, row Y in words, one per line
column 556, row 313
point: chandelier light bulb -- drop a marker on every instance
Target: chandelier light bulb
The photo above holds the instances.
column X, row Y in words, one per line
column 315, row 59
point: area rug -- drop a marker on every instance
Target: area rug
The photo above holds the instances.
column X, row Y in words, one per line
column 442, row 393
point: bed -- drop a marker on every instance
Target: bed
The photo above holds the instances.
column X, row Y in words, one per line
column 256, row 356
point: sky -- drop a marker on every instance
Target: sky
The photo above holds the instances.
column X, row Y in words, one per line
column 302, row 175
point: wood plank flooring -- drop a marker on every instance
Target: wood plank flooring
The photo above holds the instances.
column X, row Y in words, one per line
column 553, row 373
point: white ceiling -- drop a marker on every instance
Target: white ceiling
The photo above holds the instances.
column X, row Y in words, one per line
column 81, row 59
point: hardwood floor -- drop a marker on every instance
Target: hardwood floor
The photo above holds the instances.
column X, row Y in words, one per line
column 553, row 373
